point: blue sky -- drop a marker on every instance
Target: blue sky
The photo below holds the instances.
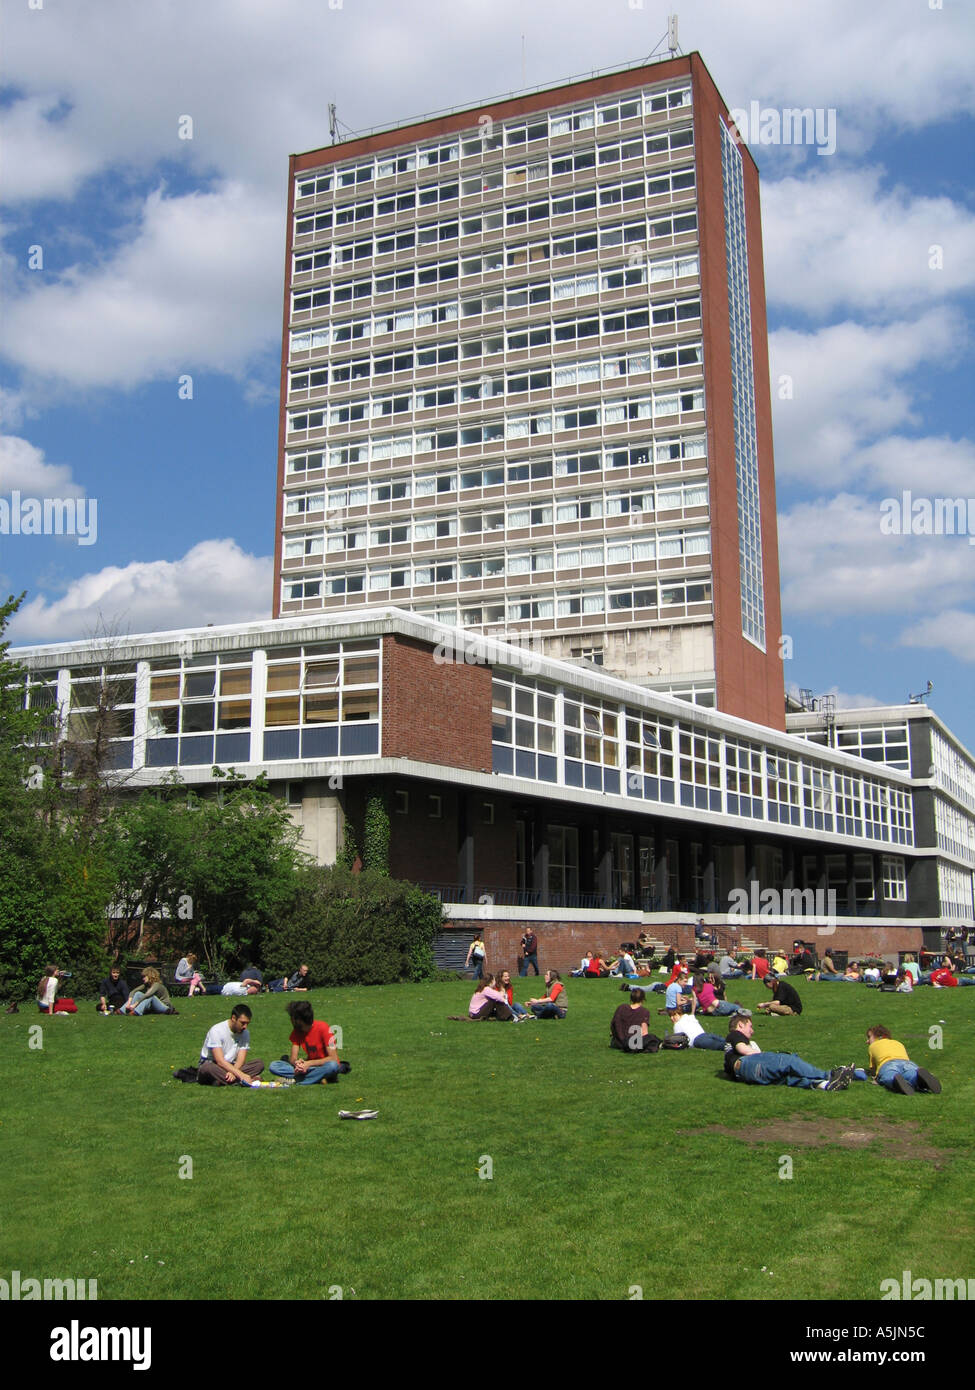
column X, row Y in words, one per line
column 164, row 257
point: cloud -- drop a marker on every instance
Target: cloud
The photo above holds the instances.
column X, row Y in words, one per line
column 850, row 383
column 837, row 563
column 215, row 582
column 198, row 287
column 22, row 466
column 952, row 630
column 839, row 239
column 843, row 699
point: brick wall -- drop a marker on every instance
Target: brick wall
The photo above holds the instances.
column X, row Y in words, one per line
column 434, row 712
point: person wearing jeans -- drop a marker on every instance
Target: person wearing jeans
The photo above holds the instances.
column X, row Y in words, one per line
column 891, row 1067
column 317, row 1041
column 554, row 1004
column 154, row 996
column 745, row 1061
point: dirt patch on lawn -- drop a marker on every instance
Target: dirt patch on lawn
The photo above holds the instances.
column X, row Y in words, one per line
column 900, row 1138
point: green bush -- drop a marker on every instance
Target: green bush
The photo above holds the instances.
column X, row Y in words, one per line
column 349, row 928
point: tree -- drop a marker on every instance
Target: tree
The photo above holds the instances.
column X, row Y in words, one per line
column 52, row 896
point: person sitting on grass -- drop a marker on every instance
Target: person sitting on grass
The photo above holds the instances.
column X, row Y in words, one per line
column 680, row 993
column 555, row 1003
column 891, row 1067
column 705, row 993
column 780, row 963
column 695, row 1034
column 186, row 973
column 597, row 969
column 852, row 972
column 745, row 1061
column 785, row 998
column 760, row 966
column 321, row 1060
column 223, row 1057
column 47, row 988
column 487, row 1002
column 152, row 997
column 508, row 990
column 113, row 992
column 629, row 1030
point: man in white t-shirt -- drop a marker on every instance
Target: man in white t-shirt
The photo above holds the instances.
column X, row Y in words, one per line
column 692, row 1030
column 223, row 1057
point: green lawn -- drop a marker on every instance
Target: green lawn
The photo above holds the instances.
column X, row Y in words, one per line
column 606, row 1174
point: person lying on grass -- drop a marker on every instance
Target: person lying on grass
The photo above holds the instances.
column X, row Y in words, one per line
column 223, row 1057
column 695, row 1034
column 745, row 1061
column 321, row 1060
column 555, row 1003
column 891, row 1067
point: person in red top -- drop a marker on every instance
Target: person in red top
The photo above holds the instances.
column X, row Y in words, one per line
column 321, row 1060
column 555, row 1003
column 760, row 967
column 943, row 978
column 597, row 967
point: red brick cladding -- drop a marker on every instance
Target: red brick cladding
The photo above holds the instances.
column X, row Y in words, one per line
column 435, row 712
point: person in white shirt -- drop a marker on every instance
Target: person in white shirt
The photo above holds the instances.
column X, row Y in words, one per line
column 223, row 1057
column 695, row 1034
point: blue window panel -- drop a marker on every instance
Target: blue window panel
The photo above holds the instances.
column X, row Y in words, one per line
column 120, row 755
column 732, row 804
column 524, row 764
column 714, row 800
column 594, row 779
column 196, row 751
column 233, row 747
column 667, row 793
column 320, row 743
column 686, row 795
column 548, row 768
column 701, row 798
column 573, row 774
column 281, row 743
column 503, row 760
column 611, row 780
column 161, row 752
column 358, row 740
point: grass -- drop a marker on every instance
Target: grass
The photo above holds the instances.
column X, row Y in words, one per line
column 606, row 1171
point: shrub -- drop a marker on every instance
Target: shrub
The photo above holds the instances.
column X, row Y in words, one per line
column 356, row 929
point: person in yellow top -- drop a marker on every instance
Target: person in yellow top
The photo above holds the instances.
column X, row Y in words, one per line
column 891, row 1067
column 779, row 964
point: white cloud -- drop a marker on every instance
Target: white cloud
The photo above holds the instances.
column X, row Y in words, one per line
column 215, row 582
column 256, row 77
column 851, row 383
column 843, row 699
column 837, row 563
column 952, row 630
column 837, row 237
column 197, row 287
column 22, row 466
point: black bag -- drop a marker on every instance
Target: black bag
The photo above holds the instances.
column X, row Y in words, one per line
column 186, row 1074
column 676, row 1041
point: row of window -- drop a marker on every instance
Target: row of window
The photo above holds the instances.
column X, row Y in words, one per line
column 675, row 144
column 558, row 376
column 338, row 534
column 635, row 458
column 951, row 771
column 516, row 296
column 658, row 226
column 491, row 137
column 670, row 598
column 607, row 747
column 666, row 313
column 674, row 186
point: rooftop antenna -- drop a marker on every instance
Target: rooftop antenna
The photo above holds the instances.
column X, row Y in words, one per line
column 333, row 122
column 670, row 39
column 920, row 698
